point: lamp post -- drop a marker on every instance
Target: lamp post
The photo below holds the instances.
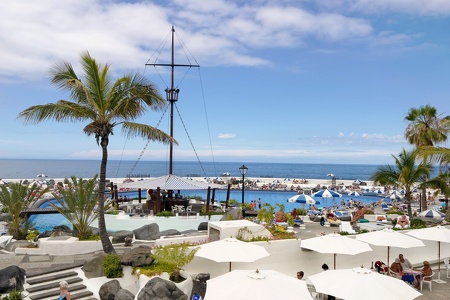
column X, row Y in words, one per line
column 243, row 169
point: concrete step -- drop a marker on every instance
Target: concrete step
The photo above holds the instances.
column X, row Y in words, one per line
column 55, row 284
column 51, row 277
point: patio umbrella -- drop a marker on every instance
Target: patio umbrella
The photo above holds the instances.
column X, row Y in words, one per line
column 432, row 214
column 263, row 284
column 389, row 238
column 326, row 193
column 438, row 234
column 305, row 199
column 335, row 244
column 364, row 284
column 41, row 175
column 231, row 250
column 354, row 193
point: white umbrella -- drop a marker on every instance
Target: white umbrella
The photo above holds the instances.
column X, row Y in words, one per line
column 264, row 284
column 432, row 214
column 389, row 238
column 361, row 283
column 41, row 175
column 306, row 199
column 354, row 193
column 438, row 234
column 335, row 244
column 231, row 250
column 326, row 194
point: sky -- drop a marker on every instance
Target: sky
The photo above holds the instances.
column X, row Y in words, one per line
column 298, row 81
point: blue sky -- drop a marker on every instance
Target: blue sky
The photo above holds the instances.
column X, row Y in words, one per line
column 279, row 81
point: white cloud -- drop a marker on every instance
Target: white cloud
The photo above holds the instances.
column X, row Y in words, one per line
column 226, row 136
column 341, row 134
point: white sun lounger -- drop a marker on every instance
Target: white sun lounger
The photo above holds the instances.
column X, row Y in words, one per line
column 346, row 227
column 4, row 240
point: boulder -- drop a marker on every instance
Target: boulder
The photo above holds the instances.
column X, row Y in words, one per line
column 199, row 286
column 119, row 236
column 169, row 232
column 123, row 294
column 109, row 290
column 160, row 289
column 202, row 226
column 233, row 214
column 148, row 232
column 138, row 257
column 92, row 267
column 12, row 278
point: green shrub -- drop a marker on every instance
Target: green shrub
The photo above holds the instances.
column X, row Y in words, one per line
column 14, row 295
column 165, row 213
column 418, row 223
column 301, row 211
column 111, row 266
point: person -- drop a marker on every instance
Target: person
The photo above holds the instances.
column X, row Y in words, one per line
column 279, row 217
column 426, row 271
column 300, row 275
column 259, row 203
column 358, row 215
column 404, row 262
column 396, row 267
column 325, row 268
column 64, row 291
column 402, row 222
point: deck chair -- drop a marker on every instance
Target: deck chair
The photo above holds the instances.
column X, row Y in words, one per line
column 428, row 280
column 385, row 207
column 174, row 209
column 447, row 266
column 346, row 227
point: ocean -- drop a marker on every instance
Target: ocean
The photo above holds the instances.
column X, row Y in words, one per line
column 55, row 168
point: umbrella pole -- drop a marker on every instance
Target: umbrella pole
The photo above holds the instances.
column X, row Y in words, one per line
column 335, row 260
column 389, row 266
column 229, row 268
column 439, row 265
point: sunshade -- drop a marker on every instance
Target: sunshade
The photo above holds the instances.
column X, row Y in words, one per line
column 438, row 234
column 306, row 199
column 432, row 214
column 390, row 238
column 170, row 182
column 335, row 244
column 231, row 250
column 362, row 283
column 354, row 193
column 263, row 284
column 326, row 194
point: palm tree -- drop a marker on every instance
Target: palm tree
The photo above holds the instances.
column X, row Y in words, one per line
column 104, row 104
column 406, row 173
column 16, row 198
column 78, row 203
column 426, row 128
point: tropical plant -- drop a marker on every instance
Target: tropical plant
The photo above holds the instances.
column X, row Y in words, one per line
column 105, row 104
column 406, row 173
column 174, row 257
column 16, row 198
column 426, row 128
column 78, row 204
column 266, row 214
column 112, row 266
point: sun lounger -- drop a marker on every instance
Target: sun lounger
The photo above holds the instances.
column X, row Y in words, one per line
column 346, row 227
column 4, row 240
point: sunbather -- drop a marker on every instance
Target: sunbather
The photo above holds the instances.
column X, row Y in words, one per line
column 359, row 214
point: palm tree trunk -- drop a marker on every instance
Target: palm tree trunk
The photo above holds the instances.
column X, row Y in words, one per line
column 423, row 204
column 106, row 243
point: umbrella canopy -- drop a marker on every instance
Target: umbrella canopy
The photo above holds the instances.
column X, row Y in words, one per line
column 326, row 193
column 41, row 175
column 432, row 214
column 365, row 284
column 264, row 284
column 389, row 238
column 170, row 182
column 305, row 199
column 378, row 192
column 354, row 193
column 335, row 244
column 438, row 234
column 231, row 250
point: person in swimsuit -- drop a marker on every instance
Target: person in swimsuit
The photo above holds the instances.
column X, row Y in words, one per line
column 64, row 291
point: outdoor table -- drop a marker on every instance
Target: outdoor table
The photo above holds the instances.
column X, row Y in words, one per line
column 409, row 275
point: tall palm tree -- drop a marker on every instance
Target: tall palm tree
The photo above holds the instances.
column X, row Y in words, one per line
column 426, row 128
column 406, row 173
column 104, row 104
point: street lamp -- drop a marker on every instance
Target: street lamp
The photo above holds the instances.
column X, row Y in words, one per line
column 243, row 169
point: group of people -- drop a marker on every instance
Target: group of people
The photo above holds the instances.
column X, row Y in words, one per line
column 256, row 204
column 401, row 263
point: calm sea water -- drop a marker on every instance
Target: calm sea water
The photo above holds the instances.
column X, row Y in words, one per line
column 29, row 168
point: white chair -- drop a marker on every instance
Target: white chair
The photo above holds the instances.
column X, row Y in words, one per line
column 174, row 209
column 346, row 227
column 428, row 280
column 189, row 209
column 181, row 209
column 130, row 207
column 447, row 266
